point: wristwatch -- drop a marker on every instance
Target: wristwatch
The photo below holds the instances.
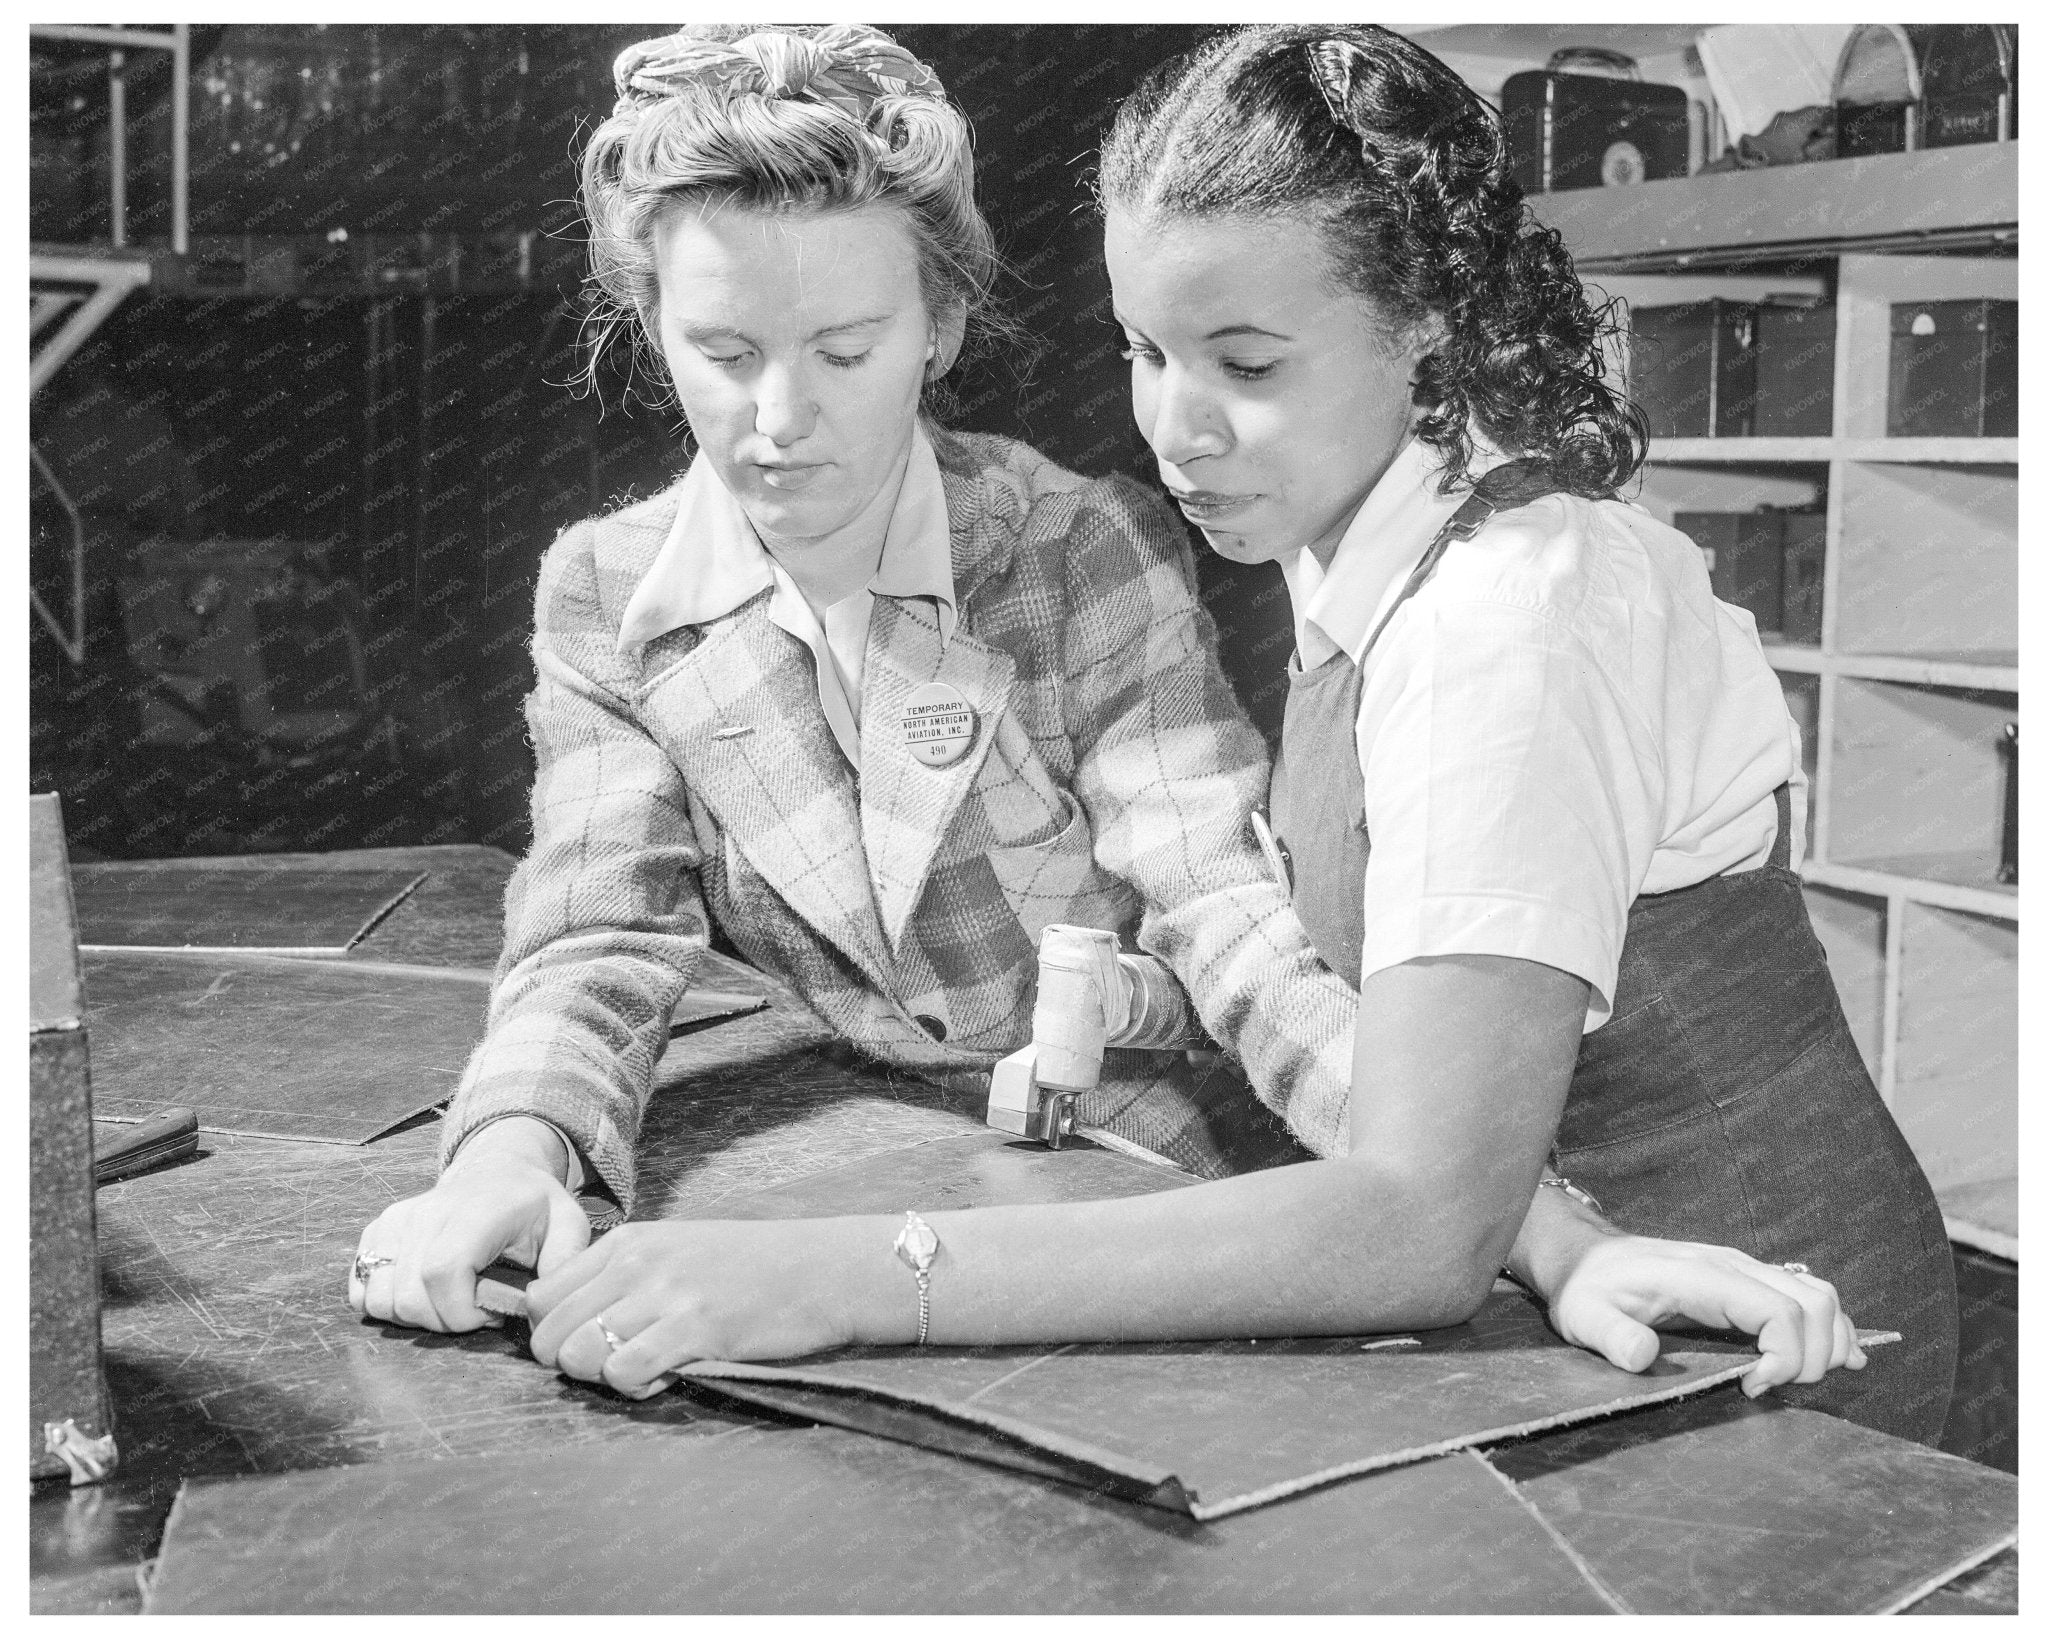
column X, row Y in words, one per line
column 917, row 1243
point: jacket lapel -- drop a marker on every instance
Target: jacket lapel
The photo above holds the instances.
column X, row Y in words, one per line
column 739, row 716
column 906, row 806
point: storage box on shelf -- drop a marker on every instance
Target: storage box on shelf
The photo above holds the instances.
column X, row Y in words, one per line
column 1955, row 370
column 1770, row 561
column 1904, row 691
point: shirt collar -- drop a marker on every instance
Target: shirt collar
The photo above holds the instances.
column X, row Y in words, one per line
column 1338, row 607
column 712, row 561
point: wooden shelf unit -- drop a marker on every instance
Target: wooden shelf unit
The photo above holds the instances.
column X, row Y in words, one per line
column 1901, row 702
column 1939, row 196
column 1996, row 669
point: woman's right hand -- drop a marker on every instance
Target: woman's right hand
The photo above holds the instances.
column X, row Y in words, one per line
column 502, row 1197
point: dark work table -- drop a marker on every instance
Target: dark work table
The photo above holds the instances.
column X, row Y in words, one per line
column 229, row 1345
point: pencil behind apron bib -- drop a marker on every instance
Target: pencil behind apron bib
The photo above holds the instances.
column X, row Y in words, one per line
column 1724, row 1100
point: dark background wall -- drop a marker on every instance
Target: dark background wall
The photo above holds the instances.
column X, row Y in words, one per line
column 367, row 479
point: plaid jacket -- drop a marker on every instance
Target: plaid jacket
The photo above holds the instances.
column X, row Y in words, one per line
column 1109, row 783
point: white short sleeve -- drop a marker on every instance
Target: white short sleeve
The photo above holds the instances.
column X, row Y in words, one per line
column 1512, row 796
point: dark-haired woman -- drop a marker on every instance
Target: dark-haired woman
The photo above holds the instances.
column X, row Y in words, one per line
column 1540, row 790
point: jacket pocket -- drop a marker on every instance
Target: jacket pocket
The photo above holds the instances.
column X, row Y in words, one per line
column 1045, row 881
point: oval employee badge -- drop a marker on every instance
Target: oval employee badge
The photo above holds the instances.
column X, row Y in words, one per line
column 938, row 725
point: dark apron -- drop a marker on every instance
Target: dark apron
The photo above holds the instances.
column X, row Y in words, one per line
column 1724, row 1100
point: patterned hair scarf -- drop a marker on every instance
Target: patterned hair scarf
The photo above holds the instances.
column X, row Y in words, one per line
column 846, row 64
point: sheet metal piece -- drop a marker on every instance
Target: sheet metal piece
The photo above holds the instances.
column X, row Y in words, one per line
column 275, row 1047
column 1732, row 1506
column 1217, row 1428
column 1990, row 1589
column 806, row 1521
column 1203, row 1429
column 1208, row 1429
column 283, row 902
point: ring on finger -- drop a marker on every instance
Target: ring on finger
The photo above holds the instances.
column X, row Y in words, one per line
column 366, row 1261
column 1796, row 1268
column 612, row 1340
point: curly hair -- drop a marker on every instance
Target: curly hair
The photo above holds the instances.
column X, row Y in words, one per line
column 800, row 118
column 1403, row 168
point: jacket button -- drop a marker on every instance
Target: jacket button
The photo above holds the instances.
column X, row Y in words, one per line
column 934, row 1028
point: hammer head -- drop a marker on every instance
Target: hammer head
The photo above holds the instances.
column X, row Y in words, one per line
column 1018, row 1103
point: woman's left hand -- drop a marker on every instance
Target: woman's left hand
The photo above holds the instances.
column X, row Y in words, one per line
column 1623, row 1286
column 650, row 1297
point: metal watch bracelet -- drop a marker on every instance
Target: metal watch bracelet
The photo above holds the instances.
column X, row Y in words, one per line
column 917, row 1244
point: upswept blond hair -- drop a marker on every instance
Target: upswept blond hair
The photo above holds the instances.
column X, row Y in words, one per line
column 800, row 118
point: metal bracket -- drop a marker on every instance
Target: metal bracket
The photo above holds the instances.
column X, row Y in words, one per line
column 1056, row 1118
column 45, row 305
column 111, row 277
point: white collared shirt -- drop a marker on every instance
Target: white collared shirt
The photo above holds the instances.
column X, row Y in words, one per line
column 1562, row 718
column 712, row 562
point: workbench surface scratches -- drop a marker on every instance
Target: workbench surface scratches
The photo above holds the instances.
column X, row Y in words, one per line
column 816, row 1520
column 248, row 904
column 456, row 918
column 1727, row 1506
column 274, row 1048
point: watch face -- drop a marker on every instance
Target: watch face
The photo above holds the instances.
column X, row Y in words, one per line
column 916, row 1245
